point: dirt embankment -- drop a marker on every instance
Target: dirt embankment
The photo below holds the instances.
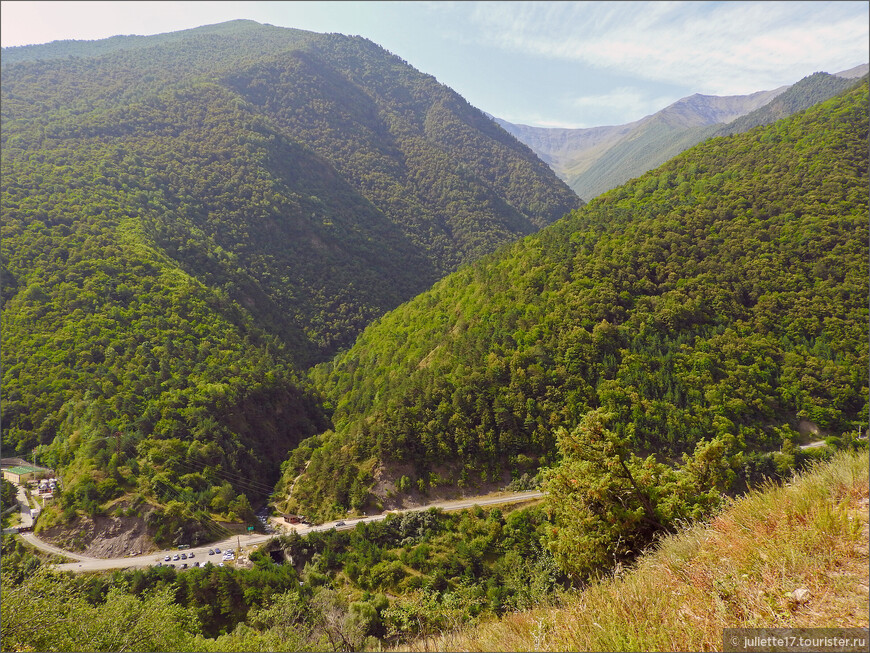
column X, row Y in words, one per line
column 102, row 536
column 386, row 478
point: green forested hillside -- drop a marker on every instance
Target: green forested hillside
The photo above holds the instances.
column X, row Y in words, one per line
column 134, row 375
column 270, row 138
column 191, row 219
column 434, row 165
column 721, row 294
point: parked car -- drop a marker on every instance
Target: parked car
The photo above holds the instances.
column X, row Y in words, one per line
column 189, row 555
column 176, row 557
column 217, row 550
column 184, row 556
column 211, row 552
column 167, row 558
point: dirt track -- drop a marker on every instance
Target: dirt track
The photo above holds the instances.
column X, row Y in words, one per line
column 86, row 564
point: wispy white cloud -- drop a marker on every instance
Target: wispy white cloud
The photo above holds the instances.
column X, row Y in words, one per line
column 714, row 47
column 536, row 119
column 621, row 103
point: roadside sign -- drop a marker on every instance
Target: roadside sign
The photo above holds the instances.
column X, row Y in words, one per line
column 250, row 528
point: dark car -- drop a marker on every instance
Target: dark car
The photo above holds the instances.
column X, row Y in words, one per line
column 184, row 556
column 217, row 550
column 211, row 552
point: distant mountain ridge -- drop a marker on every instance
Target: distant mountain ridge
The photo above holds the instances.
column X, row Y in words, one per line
column 594, row 160
column 802, row 95
column 573, row 153
column 854, row 73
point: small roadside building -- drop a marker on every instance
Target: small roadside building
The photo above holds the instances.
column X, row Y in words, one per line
column 22, row 473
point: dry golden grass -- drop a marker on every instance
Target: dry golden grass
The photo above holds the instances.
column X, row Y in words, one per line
column 739, row 571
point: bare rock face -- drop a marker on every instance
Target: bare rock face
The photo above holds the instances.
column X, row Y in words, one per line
column 102, row 536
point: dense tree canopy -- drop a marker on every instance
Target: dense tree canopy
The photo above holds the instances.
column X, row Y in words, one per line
column 191, row 219
column 609, row 503
column 721, row 294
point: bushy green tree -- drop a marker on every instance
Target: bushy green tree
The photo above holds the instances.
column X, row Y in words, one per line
column 608, row 503
column 48, row 612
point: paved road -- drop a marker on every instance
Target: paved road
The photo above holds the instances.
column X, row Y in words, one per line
column 24, row 511
column 85, row 563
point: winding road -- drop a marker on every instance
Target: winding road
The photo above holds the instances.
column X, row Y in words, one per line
column 88, row 564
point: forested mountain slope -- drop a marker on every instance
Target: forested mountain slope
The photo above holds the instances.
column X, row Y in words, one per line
column 723, row 293
column 190, row 219
column 404, row 177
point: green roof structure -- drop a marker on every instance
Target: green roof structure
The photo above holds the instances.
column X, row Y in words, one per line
column 24, row 469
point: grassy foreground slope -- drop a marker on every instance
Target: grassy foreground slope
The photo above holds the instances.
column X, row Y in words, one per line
column 741, row 570
column 724, row 293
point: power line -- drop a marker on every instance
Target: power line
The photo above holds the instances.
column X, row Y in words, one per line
column 209, row 520
column 230, row 477
column 245, row 486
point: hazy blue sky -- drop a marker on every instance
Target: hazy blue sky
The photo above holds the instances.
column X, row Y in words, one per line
column 566, row 64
